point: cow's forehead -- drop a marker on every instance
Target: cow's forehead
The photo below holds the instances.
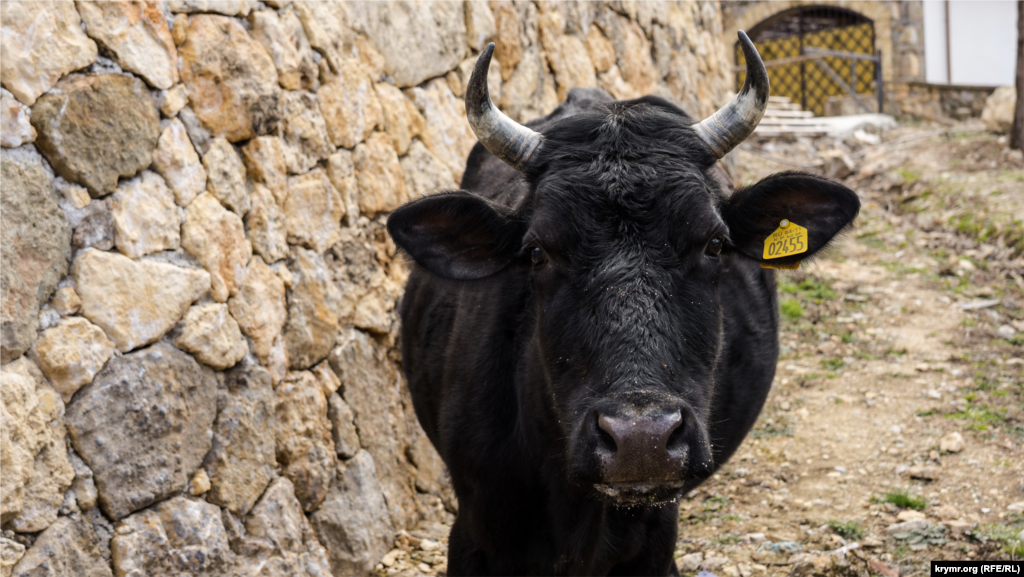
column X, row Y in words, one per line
column 610, row 199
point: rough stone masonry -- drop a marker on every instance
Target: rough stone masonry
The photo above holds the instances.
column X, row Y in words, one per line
column 200, row 374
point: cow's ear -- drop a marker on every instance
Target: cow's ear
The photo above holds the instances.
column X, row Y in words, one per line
column 457, row 235
column 822, row 206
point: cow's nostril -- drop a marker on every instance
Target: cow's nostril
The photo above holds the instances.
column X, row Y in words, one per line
column 606, row 435
column 677, row 438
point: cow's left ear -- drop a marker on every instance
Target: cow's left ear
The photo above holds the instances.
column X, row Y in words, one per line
column 457, row 235
column 822, row 206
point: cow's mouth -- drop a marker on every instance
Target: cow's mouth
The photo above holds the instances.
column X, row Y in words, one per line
column 638, row 493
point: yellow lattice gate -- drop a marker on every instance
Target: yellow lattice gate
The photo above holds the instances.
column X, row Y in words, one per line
column 819, row 54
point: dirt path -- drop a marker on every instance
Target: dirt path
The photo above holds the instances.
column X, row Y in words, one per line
column 892, row 403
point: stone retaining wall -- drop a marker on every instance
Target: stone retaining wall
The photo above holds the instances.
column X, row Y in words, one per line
column 200, row 372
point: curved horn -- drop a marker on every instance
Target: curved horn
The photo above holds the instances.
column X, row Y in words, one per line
column 504, row 137
column 734, row 122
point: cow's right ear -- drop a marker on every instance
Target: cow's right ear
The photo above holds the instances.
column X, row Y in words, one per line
column 457, row 235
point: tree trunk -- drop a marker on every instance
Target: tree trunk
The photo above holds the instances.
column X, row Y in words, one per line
column 1017, row 132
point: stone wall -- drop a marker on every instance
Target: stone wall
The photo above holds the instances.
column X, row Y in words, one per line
column 200, row 372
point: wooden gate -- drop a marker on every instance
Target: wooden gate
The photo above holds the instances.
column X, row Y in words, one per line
column 815, row 53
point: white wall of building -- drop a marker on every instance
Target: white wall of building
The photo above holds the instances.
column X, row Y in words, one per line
column 982, row 39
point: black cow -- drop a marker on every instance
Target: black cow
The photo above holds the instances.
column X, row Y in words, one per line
column 588, row 331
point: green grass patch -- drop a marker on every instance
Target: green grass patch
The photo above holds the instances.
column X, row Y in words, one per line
column 791, row 309
column 832, row 364
column 810, row 288
column 770, row 431
column 852, row 530
column 1006, row 534
column 904, row 500
column 981, row 417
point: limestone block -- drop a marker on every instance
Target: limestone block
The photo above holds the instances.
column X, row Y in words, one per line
column 260, row 308
column 67, row 547
column 480, row 27
column 324, row 375
column 278, row 519
column 303, row 131
column 266, row 225
column 143, row 426
column 424, row 172
column 225, row 7
column 34, row 457
column 343, row 428
column 614, row 84
column 136, row 35
column 507, row 46
column 264, row 158
column 225, row 176
column 369, row 385
column 431, row 476
column 632, row 51
column 199, row 136
column 34, row 247
column 305, row 448
column 314, row 303
column 402, row 120
column 369, row 292
column 282, row 35
column 446, row 131
column 71, row 353
column 42, row 41
column 600, row 49
column 998, row 112
column 349, row 104
column 15, row 127
column 313, row 211
column 146, row 219
column 328, row 27
column 342, row 173
column 172, row 100
column 529, row 92
column 212, row 335
column 176, row 160
column 567, row 56
column 418, row 40
column 200, row 483
column 216, row 237
column 180, row 536
column 96, row 129
column 96, row 227
column 134, row 302
column 65, row 301
column 241, row 462
column 231, row 80
column 10, row 553
column 379, row 175
column 84, row 485
column 353, row 522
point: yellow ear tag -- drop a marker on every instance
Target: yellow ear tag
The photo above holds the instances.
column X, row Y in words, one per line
column 789, row 239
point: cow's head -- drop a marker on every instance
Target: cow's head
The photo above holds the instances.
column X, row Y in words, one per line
column 625, row 236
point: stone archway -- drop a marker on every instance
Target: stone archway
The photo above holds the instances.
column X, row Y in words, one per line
column 745, row 16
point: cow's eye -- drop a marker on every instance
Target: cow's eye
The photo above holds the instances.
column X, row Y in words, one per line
column 537, row 255
column 714, row 247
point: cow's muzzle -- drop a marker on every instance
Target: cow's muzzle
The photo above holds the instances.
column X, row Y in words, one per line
column 648, row 456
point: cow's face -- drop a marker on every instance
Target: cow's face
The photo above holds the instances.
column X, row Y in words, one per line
column 624, row 237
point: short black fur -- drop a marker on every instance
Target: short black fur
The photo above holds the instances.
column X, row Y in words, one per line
column 530, row 374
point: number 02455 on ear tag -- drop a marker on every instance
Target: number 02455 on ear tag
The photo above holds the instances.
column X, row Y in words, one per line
column 789, row 239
